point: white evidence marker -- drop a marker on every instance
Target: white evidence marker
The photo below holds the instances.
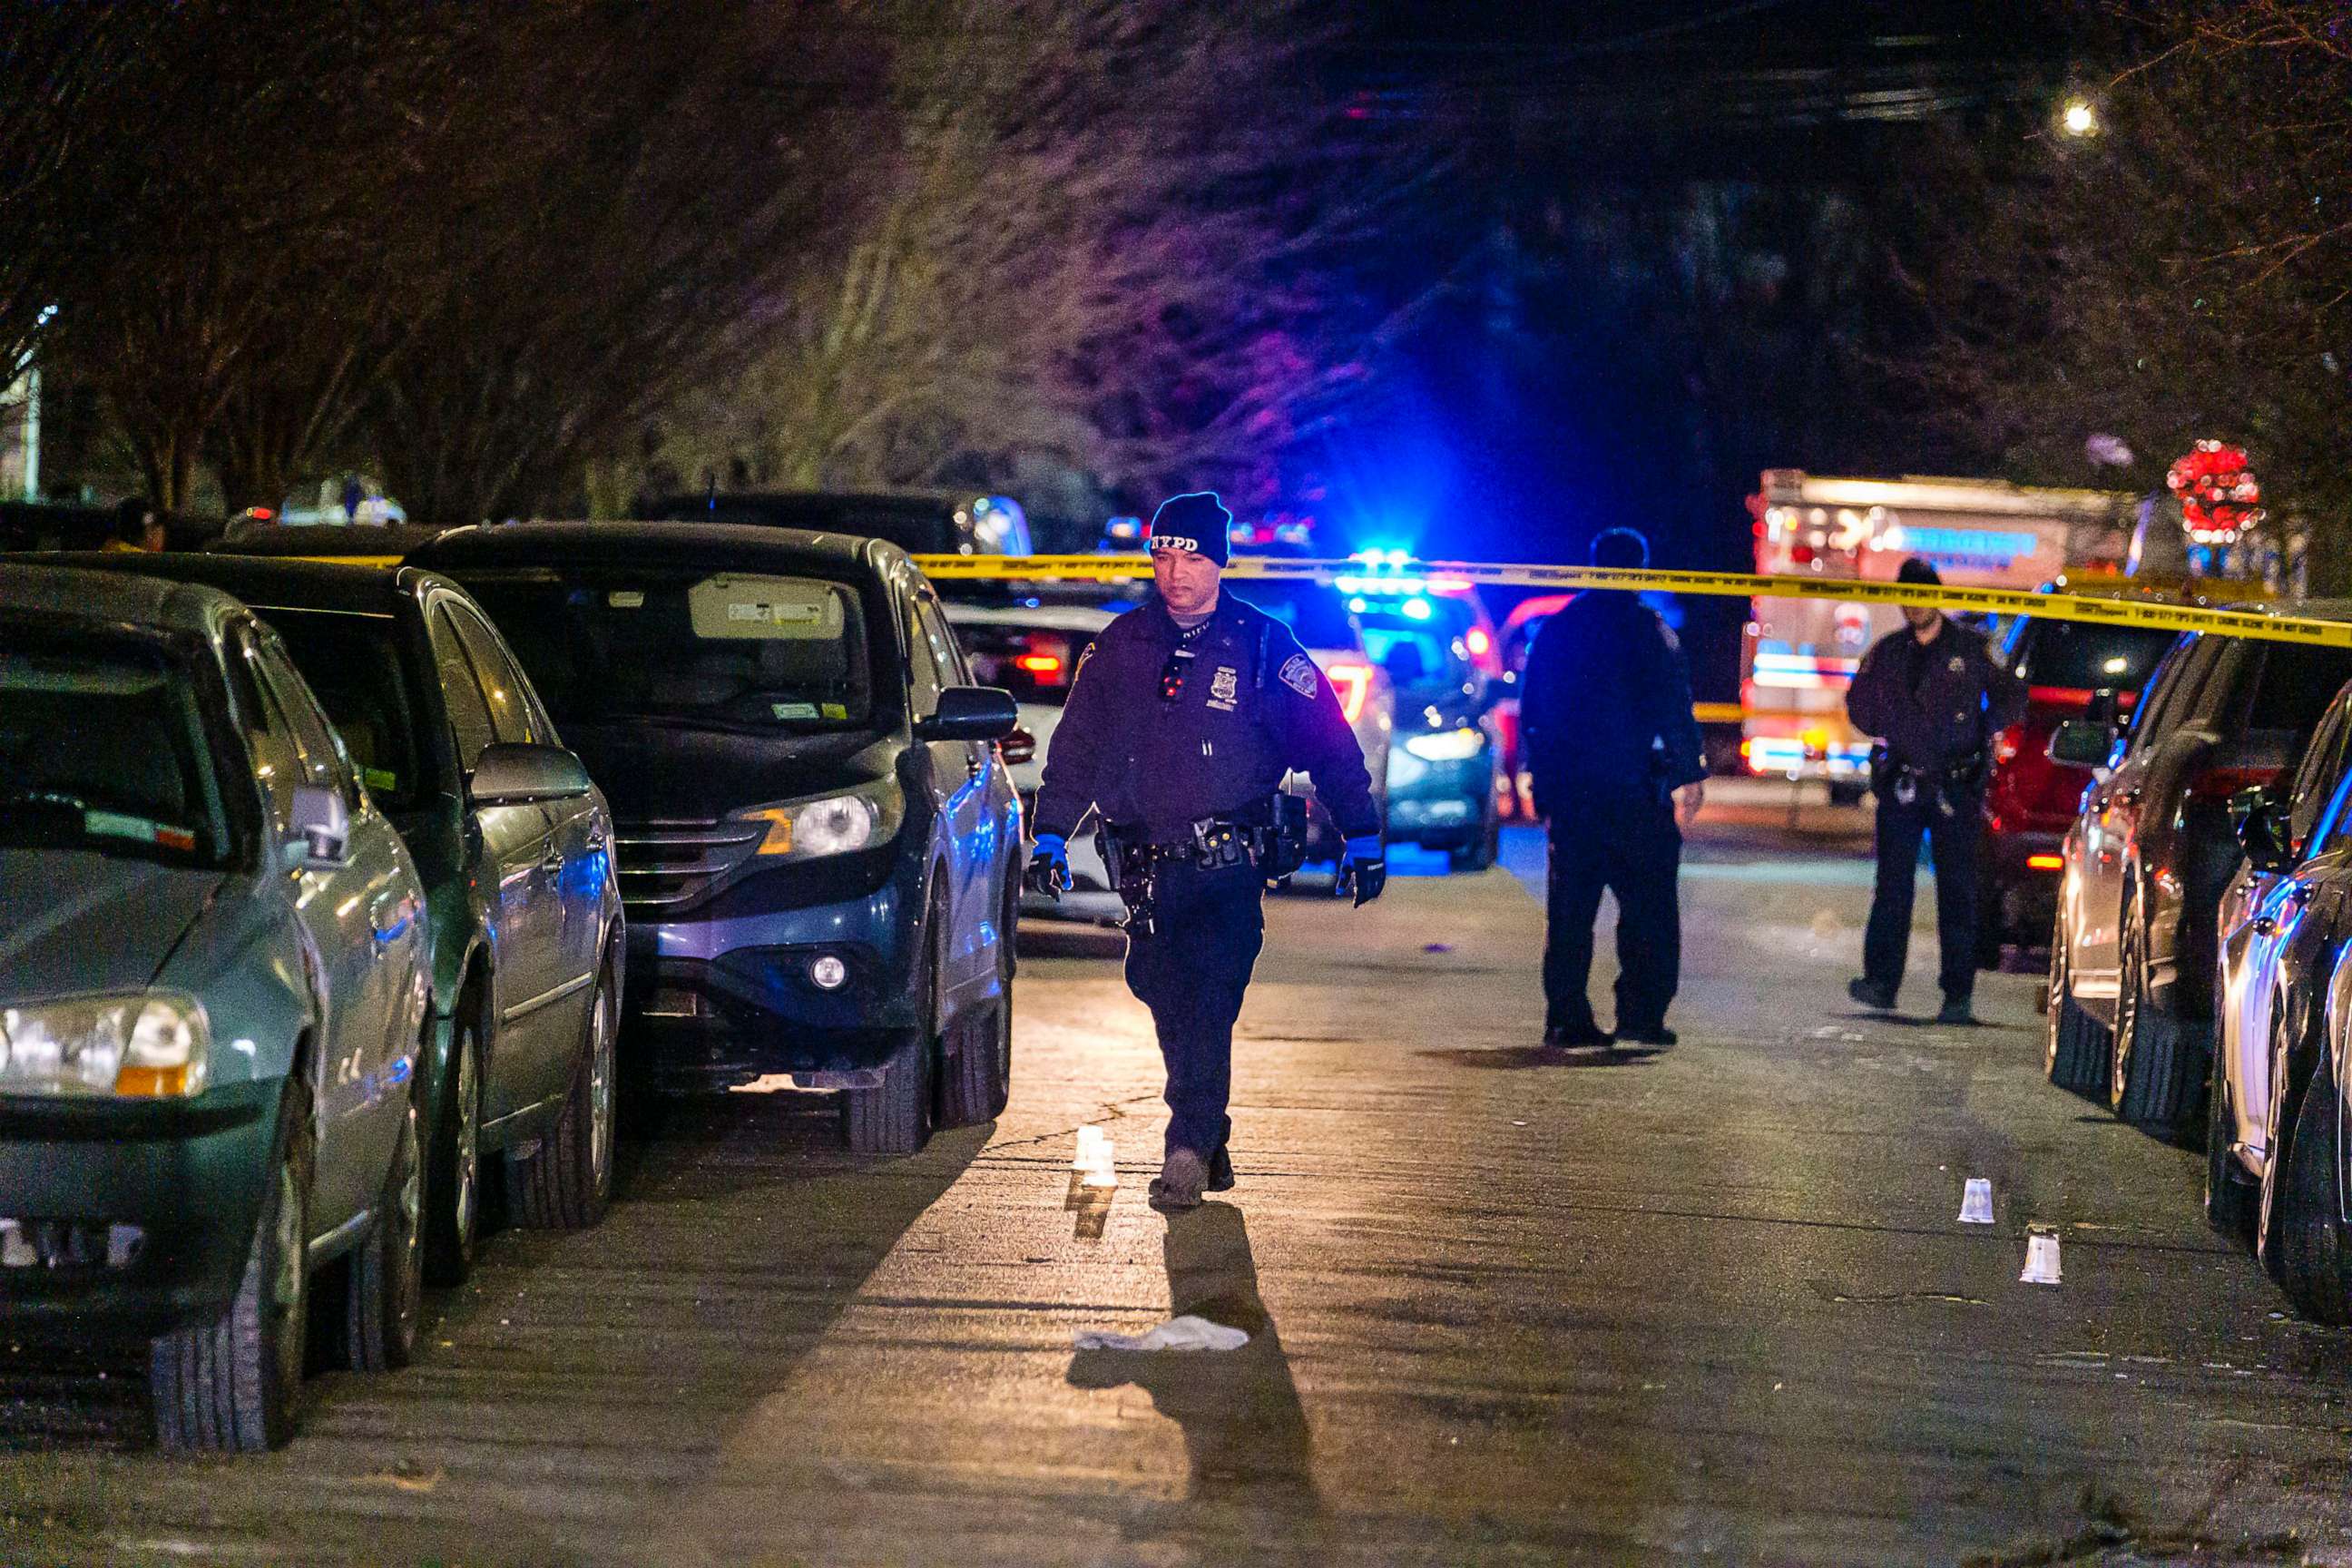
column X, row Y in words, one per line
column 2041, row 1259
column 1095, row 1163
column 1975, row 1202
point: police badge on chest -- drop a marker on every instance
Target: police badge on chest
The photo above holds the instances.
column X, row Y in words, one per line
column 1223, row 688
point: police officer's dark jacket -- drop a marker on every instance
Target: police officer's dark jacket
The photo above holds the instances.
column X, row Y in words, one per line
column 1253, row 706
column 1605, row 705
column 1933, row 703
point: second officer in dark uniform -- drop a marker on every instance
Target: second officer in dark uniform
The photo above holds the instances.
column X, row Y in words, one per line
column 1615, row 754
column 1935, row 695
column 1183, row 720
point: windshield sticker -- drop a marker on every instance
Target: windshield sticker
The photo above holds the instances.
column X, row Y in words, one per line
column 834, row 710
column 793, row 710
column 377, row 778
column 115, row 825
column 625, row 599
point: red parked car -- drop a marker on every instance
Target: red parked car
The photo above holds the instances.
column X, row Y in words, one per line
column 2072, row 669
column 1518, row 635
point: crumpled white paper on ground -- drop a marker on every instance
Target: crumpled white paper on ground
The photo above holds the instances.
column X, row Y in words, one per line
column 1184, row 1333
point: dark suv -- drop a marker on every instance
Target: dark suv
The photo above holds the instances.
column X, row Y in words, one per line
column 819, row 844
column 2151, row 849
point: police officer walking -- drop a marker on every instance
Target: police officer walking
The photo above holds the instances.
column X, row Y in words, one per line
column 1605, row 724
column 1180, row 724
column 1935, row 695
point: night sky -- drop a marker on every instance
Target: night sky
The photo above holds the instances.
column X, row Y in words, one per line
column 1665, row 231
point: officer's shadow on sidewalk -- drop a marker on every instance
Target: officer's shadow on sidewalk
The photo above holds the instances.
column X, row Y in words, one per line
column 1244, row 1430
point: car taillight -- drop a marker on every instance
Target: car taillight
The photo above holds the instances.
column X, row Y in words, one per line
column 2218, row 784
column 1352, row 681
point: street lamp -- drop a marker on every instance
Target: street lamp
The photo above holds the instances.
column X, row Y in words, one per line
column 2079, row 118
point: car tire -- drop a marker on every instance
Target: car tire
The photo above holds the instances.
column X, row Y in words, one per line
column 1479, row 853
column 453, row 1184
column 979, row 1081
column 979, row 1077
column 2151, row 1070
column 895, row 1116
column 386, row 1287
column 2233, row 1201
column 236, row 1382
column 2073, row 1055
column 1849, row 795
column 2310, row 1241
column 566, row 1183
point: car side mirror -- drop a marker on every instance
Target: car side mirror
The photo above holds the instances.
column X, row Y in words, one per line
column 320, row 836
column 511, row 772
column 2082, row 743
column 2106, row 702
column 2258, row 816
column 970, row 714
column 1017, row 747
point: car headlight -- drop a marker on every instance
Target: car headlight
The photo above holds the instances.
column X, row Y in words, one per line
column 150, row 1044
column 827, row 825
column 1447, row 745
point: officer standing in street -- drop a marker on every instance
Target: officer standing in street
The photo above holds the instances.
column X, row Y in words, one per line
column 1182, row 721
column 1605, row 724
column 1935, row 695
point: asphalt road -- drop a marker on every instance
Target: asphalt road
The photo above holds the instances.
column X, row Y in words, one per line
column 1506, row 1305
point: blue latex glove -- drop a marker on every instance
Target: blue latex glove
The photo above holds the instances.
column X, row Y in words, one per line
column 1049, row 866
column 1363, row 868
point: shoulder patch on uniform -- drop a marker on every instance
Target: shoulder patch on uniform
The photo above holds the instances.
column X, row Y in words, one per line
column 1298, row 674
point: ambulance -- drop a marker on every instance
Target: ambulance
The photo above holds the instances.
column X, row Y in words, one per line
column 1799, row 655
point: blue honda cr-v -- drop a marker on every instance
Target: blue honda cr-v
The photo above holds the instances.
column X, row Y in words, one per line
column 818, row 845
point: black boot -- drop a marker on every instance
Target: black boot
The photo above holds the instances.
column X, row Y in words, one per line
column 1881, row 997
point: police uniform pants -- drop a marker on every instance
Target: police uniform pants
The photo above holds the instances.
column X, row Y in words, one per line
column 1632, row 848
column 1953, row 841
column 1192, row 972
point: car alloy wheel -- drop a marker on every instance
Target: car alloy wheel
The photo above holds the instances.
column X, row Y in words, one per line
column 2130, row 967
column 601, row 1073
column 469, row 1142
column 290, row 1286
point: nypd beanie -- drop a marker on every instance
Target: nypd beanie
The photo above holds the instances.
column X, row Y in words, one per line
column 1197, row 521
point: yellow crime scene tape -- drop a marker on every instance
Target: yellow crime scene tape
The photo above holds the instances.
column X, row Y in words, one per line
column 1392, row 577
